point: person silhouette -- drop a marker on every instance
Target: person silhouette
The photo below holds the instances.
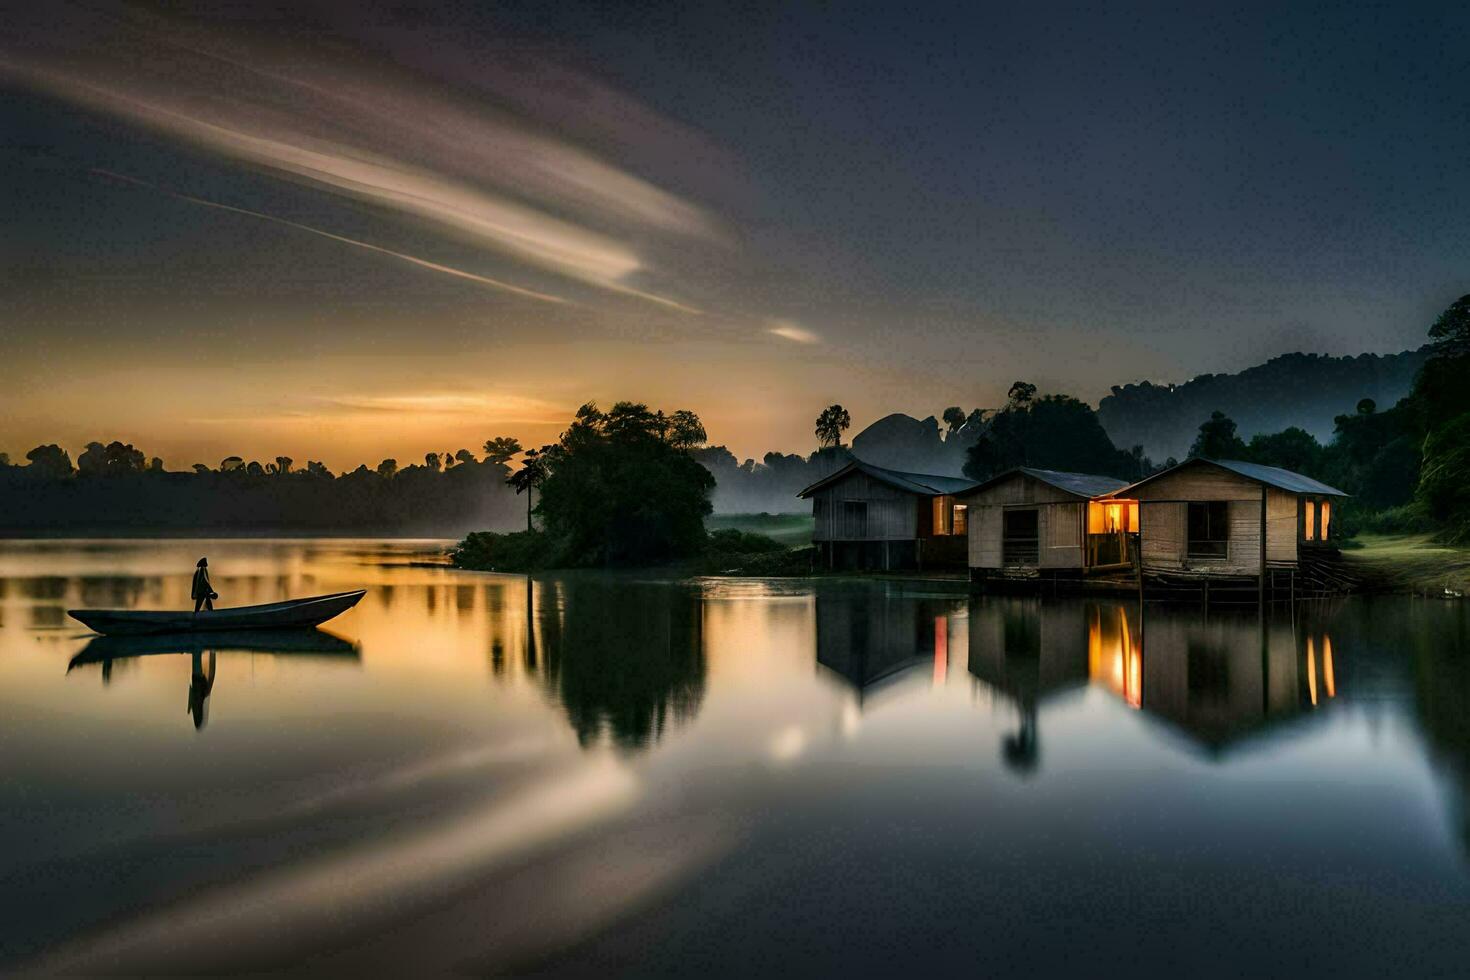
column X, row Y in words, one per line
column 202, row 592
column 201, row 685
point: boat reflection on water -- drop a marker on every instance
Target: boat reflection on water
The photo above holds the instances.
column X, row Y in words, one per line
column 203, row 650
column 1217, row 679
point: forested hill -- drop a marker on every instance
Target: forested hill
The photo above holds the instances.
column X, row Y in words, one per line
column 1306, row 390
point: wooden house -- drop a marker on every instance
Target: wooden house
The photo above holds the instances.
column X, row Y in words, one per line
column 1222, row 519
column 869, row 517
column 1030, row 523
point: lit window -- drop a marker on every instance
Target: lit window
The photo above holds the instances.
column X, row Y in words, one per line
column 961, row 518
column 1325, row 519
column 1309, row 524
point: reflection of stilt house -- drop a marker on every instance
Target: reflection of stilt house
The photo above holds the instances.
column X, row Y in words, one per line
column 1025, row 651
column 1227, row 521
column 1220, row 681
column 1225, row 679
column 1029, row 523
column 874, row 518
column 872, row 641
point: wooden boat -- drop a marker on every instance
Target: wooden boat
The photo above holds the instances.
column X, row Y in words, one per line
column 303, row 642
column 273, row 616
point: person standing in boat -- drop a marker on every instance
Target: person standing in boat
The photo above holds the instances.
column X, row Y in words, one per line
column 202, row 592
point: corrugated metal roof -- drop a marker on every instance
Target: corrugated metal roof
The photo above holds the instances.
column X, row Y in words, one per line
column 1279, row 478
column 1078, row 484
column 923, row 484
column 1273, row 476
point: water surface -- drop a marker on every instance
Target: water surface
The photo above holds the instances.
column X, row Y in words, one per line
column 620, row 774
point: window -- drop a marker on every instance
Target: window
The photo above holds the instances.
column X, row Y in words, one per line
column 854, row 519
column 1112, row 517
column 942, row 506
column 1316, row 519
column 1019, row 537
column 961, row 518
column 1208, row 531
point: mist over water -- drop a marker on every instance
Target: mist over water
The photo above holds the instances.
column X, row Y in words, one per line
column 631, row 775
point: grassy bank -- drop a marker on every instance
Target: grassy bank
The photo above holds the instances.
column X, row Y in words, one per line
column 792, row 530
column 1409, row 563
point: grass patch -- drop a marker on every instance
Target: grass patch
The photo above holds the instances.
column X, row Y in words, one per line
column 1409, row 563
column 792, row 530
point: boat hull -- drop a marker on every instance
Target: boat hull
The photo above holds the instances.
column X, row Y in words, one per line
column 290, row 614
column 300, row 641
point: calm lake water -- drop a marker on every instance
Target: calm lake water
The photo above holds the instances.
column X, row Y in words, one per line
column 594, row 774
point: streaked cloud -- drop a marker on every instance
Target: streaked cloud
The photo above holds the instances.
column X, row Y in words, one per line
column 793, row 332
column 504, row 407
column 379, row 136
column 411, row 259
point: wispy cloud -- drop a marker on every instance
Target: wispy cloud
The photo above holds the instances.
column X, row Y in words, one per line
column 411, row 259
column 793, row 332
column 388, row 139
column 503, row 407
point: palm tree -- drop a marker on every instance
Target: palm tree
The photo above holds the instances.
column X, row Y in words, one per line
column 531, row 475
column 830, row 425
column 501, row 449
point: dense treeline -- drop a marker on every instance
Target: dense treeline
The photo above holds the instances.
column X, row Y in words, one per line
column 1408, row 467
column 1054, row 432
column 115, row 489
column 1304, row 390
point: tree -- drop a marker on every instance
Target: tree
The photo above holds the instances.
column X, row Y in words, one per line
column 1021, row 393
column 318, row 469
column 155, row 465
column 1367, row 406
column 123, row 459
column 93, row 459
column 283, row 465
column 200, row 469
column 253, row 468
column 4, row 459
column 618, row 493
column 954, row 417
column 388, row 469
column 465, row 456
column 1057, row 432
column 1292, row 448
column 1217, row 439
column 1445, row 475
column 230, row 464
column 49, row 462
column 433, row 462
column 833, row 421
column 501, row 449
column 1451, row 331
column 686, row 431
column 532, row 474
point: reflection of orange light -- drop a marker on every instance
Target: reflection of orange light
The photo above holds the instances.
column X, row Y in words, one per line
column 1133, row 685
column 1113, row 659
column 1312, row 670
column 941, row 648
column 1327, row 678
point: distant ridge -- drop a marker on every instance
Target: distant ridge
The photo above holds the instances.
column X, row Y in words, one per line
column 1305, row 390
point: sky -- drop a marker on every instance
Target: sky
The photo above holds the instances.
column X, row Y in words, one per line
column 354, row 231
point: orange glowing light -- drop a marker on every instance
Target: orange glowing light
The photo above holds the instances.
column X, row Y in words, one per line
column 1327, row 676
column 1312, row 671
column 941, row 649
